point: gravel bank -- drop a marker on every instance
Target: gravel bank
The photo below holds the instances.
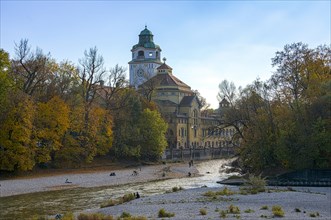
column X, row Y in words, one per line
column 94, row 179
column 186, row 204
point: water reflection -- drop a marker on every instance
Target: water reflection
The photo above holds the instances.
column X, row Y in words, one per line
column 78, row 199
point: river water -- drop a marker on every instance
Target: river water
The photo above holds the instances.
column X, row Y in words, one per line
column 52, row 202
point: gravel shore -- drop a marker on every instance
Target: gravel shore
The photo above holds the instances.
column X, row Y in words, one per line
column 302, row 203
column 94, row 179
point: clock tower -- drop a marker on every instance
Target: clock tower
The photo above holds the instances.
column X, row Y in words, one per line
column 145, row 58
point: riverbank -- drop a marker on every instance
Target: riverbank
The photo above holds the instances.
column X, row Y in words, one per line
column 299, row 203
column 95, row 178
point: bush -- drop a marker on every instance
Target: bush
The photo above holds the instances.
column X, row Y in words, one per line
column 163, row 213
column 249, row 211
column 125, row 215
column 203, row 211
column 223, row 213
column 176, row 189
column 265, row 207
column 224, row 192
column 277, row 211
column 233, row 209
column 126, row 198
column 255, row 184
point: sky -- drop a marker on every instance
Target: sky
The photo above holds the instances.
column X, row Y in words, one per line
column 205, row 42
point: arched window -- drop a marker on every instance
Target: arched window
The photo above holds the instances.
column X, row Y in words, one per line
column 141, row 54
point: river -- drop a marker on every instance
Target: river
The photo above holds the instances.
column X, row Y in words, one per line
column 52, row 202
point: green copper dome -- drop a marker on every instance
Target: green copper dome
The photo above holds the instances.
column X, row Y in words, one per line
column 146, row 40
column 145, row 32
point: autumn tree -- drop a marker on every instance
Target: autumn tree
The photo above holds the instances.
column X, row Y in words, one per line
column 17, row 150
column 284, row 122
column 50, row 125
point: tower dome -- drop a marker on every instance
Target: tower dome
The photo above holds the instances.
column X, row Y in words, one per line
column 145, row 58
column 146, row 40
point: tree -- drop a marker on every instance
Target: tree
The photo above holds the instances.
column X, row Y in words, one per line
column 202, row 100
column 152, row 129
column 112, row 93
column 32, row 71
column 90, row 73
column 227, row 90
column 17, row 151
column 283, row 121
column 5, row 81
column 51, row 123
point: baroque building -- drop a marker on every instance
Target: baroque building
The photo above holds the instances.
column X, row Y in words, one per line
column 188, row 127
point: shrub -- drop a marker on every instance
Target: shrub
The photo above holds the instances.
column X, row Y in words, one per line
column 126, row 198
column 203, row 211
column 209, row 193
column 224, row 192
column 256, row 184
column 176, row 189
column 223, row 213
column 125, row 215
column 233, row 209
column 249, row 211
column 313, row 215
column 265, row 207
column 163, row 213
column 277, row 211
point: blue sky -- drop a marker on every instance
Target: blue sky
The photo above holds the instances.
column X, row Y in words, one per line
column 204, row 42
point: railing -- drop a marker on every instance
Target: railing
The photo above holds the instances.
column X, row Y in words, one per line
column 198, row 153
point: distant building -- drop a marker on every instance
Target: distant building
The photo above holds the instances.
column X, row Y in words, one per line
column 178, row 104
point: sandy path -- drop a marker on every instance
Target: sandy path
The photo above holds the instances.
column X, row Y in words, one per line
column 99, row 178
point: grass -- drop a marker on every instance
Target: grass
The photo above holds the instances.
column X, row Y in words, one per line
column 314, row 215
column 265, row 207
column 277, row 211
column 163, row 214
column 224, row 192
column 112, row 202
column 233, row 209
column 176, row 189
column 203, row 211
column 249, row 211
column 223, row 213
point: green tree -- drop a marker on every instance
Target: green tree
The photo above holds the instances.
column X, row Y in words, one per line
column 152, row 129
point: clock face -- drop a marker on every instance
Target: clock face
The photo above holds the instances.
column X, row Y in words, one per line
column 140, row 73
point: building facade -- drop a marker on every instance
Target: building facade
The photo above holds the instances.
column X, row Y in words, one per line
column 178, row 104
